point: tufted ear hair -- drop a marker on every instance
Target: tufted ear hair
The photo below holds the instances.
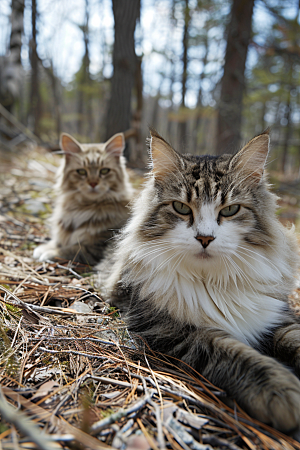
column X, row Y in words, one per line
column 163, row 157
column 251, row 159
column 115, row 145
column 69, row 145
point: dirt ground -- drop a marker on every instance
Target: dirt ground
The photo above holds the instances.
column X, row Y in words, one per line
column 71, row 375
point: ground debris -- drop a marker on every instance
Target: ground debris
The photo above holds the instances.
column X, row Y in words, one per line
column 71, row 376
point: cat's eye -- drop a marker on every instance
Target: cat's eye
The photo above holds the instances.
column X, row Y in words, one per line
column 182, row 208
column 104, row 171
column 81, row 172
column 229, row 210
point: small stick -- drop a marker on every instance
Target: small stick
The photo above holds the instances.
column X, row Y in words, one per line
column 87, row 338
column 118, row 383
column 74, row 352
column 85, row 290
column 104, row 423
column 160, row 434
column 69, row 269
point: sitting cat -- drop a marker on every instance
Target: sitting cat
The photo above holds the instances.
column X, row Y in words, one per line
column 204, row 269
column 93, row 191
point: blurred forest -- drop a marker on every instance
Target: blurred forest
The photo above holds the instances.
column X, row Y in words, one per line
column 207, row 74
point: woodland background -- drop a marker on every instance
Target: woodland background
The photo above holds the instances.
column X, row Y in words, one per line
column 207, row 74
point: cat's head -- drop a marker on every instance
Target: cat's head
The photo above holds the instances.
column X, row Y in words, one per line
column 206, row 208
column 93, row 170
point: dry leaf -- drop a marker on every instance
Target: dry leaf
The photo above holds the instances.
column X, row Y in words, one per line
column 45, row 389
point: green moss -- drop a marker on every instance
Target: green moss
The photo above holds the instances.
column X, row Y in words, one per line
column 3, row 427
column 113, row 310
column 9, row 360
column 13, row 309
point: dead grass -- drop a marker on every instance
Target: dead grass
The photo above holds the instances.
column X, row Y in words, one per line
column 71, row 376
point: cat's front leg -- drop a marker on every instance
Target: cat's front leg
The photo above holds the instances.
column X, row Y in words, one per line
column 262, row 386
column 286, row 345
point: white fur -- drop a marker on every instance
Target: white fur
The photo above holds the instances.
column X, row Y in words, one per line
column 230, row 285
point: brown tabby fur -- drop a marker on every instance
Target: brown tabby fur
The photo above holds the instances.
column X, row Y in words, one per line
column 91, row 206
column 204, row 270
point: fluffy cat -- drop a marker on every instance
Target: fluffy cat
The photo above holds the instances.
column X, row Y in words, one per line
column 93, row 191
column 204, row 269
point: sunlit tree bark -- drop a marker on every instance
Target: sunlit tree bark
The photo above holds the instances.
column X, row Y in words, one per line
column 84, row 101
column 126, row 13
column 35, row 98
column 11, row 67
column 185, row 42
column 233, row 81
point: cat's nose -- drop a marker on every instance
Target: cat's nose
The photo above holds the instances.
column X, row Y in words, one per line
column 93, row 184
column 205, row 240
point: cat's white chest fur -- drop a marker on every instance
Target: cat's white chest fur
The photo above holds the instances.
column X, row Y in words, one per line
column 244, row 313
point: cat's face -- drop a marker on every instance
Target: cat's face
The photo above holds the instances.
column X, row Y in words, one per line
column 207, row 208
column 93, row 170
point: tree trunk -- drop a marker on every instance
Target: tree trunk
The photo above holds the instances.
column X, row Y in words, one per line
column 200, row 93
column 137, row 116
column 84, row 107
column 233, row 81
column 35, row 98
column 185, row 41
column 287, row 134
column 290, row 66
column 56, row 100
column 11, row 71
column 126, row 13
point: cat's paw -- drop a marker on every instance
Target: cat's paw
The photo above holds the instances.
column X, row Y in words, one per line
column 45, row 252
column 278, row 403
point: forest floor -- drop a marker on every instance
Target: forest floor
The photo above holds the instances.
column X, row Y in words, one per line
column 70, row 374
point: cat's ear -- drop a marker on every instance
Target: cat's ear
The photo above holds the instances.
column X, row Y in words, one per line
column 115, row 145
column 251, row 160
column 164, row 158
column 69, row 145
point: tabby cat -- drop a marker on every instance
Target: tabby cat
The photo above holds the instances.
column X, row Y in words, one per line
column 93, row 191
column 204, row 270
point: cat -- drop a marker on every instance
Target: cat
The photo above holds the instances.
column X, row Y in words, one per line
column 93, row 191
column 203, row 273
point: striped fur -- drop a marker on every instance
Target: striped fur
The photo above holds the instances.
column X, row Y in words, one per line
column 90, row 206
column 209, row 286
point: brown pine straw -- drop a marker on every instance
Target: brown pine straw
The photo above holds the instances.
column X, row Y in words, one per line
column 90, row 366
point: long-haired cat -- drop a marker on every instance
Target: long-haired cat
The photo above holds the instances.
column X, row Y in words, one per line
column 204, row 269
column 93, row 191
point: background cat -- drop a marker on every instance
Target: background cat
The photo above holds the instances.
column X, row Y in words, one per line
column 93, row 191
column 204, row 269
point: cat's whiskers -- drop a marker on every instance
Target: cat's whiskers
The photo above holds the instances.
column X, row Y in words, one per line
column 238, row 271
column 265, row 282
column 167, row 261
column 135, row 258
column 145, row 263
column 178, row 261
column 268, row 261
column 229, row 269
column 243, row 277
column 228, row 261
column 226, row 307
column 151, row 244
